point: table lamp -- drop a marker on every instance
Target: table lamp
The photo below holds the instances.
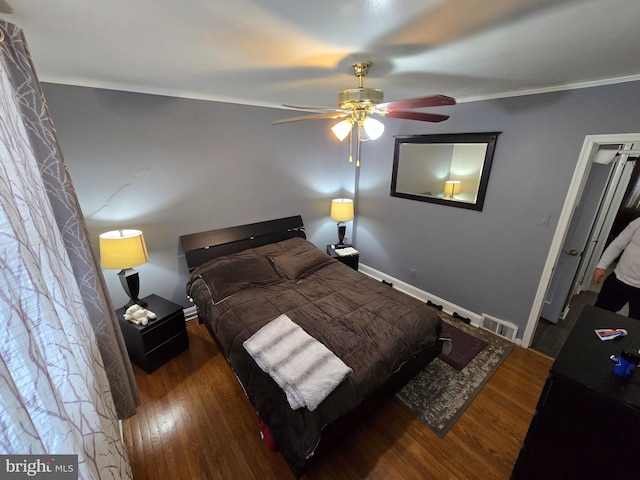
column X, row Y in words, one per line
column 125, row 249
column 452, row 187
column 341, row 211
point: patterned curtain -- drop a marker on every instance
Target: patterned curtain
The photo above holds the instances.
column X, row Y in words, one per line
column 65, row 376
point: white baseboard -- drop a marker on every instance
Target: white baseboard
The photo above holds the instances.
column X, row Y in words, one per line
column 448, row 307
column 415, row 292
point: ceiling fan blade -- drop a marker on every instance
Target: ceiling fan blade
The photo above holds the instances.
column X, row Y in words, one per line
column 311, row 107
column 315, row 116
column 418, row 102
column 424, row 117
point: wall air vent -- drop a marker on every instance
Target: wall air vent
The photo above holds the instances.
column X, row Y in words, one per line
column 190, row 313
column 500, row 327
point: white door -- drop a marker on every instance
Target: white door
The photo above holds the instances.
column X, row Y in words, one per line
column 591, row 145
column 589, row 228
column 578, row 235
column 602, row 228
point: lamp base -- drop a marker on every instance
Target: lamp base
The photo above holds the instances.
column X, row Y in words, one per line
column 130, row 282
column 342, row 230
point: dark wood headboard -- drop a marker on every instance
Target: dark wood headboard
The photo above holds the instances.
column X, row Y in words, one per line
column 201, row 247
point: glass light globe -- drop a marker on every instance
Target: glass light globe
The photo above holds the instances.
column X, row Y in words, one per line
column 374, row 128
column 342, row 129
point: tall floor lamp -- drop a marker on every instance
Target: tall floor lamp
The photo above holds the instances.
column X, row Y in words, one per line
column 341, row 211
column 125, row 249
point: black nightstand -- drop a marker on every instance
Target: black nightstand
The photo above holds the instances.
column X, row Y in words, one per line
column 154, row 344
column 349, row 260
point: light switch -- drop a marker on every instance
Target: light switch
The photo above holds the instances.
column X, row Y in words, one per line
column 544, row 221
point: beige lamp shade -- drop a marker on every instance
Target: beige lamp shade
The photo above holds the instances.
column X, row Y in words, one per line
column 452, row 187
column 122, row 249
column 341, row 209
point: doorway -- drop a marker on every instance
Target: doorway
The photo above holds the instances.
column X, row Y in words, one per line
column 603, row 222
column 606, row 207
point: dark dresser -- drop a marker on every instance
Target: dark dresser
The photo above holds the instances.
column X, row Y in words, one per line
column 587, row 421
column 154, row 344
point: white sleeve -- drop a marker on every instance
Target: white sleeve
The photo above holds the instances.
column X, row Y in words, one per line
column 617, row 246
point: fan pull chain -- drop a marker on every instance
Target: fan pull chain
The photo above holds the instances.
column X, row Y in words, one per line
column 358, row 152
column 351, row 145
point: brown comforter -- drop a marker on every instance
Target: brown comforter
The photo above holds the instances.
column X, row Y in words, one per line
column 371, row 327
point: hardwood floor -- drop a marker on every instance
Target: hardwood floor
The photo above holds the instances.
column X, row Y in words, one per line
column 195, row 423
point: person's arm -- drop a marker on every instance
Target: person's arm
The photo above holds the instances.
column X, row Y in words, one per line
column 613, row 251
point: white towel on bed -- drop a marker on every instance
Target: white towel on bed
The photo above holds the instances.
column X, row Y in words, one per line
column 303, row 367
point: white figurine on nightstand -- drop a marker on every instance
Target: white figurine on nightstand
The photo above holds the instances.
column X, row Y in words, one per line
column 138, row 315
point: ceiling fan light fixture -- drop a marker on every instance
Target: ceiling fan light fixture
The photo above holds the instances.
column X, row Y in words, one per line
column 342, row 129
column 357, row 106
column 374, row 128
column 362, row 134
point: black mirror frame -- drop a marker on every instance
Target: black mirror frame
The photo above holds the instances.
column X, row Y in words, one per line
column 489, row 138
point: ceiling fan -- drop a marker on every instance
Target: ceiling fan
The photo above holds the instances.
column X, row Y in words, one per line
column 358, row 106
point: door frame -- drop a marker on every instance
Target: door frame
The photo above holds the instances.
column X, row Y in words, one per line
column 590, row 146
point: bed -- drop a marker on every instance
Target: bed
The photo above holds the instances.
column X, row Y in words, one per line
column 243, row 278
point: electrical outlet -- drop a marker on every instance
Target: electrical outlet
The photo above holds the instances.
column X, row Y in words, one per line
column 413, row 273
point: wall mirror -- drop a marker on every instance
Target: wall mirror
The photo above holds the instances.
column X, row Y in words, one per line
column 450, row 169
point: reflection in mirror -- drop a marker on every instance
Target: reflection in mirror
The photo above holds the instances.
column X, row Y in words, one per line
column 450, row 169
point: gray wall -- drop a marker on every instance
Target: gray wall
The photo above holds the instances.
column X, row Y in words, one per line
column 174, row 166
column 489, row 261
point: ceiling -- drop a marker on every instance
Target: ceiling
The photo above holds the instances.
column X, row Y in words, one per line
column 270, row 52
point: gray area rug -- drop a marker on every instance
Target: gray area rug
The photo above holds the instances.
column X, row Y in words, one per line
column 440, row 394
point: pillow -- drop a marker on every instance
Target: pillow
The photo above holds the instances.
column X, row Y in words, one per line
column 300, row 262
column 226, row 278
